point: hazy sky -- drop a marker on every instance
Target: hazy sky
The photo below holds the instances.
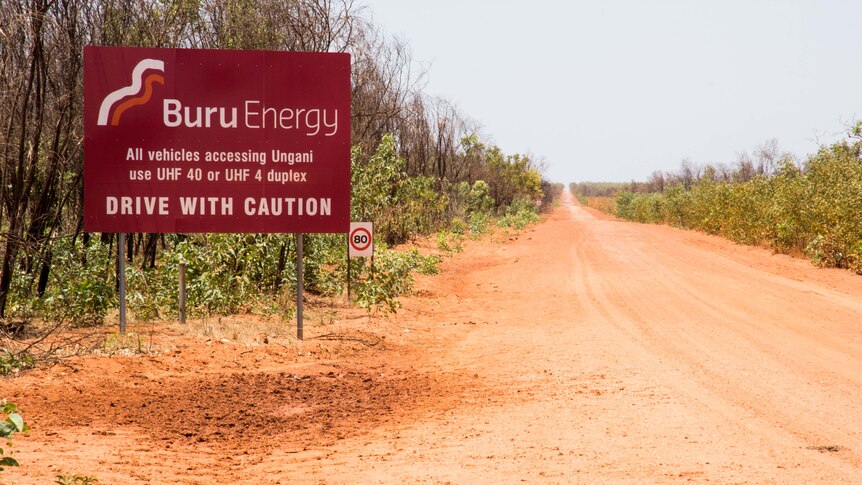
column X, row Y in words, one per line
column 612, row 90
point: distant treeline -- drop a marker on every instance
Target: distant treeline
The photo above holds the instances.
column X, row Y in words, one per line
column 812, row 207
column 597, row 189
column 417, row 161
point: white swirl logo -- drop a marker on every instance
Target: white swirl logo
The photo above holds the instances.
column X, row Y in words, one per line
column 139, row 83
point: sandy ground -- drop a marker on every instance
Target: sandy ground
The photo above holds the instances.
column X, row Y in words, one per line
column 584, row 350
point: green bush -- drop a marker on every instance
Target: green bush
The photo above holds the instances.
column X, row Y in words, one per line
column 458, row 226
column 81, row 288
column 391, row 276
column 520, row 213
column 478, row 222
column 230, row 273
column 400, row 206
column 11, row 362
column 816, row 209
column 450, row 242
column 479, row 198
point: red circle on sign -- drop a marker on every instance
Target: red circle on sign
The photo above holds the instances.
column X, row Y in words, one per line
column 360, row 248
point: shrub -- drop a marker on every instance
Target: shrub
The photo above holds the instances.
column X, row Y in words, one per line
column 478, row 222
column 81, row 289
column 391, row 276
column 816, row 209
column 11, row 362
column 520, row 213
column 450, row 242
column 225, row 273
column 458, row 226
column 399, row 205
column 479, row 198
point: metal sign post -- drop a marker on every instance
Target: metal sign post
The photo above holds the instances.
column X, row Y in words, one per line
column 121, row 276
column 182, row 292
column 360, row 240
column 360, row 244
column 299, row 286
column 348, row 268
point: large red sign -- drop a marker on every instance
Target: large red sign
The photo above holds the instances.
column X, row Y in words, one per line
column 190, row 140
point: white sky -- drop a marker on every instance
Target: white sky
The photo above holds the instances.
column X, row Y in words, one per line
column 612, row 90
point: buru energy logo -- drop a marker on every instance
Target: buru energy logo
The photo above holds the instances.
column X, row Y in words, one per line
column 141, row 91
column 246, row 113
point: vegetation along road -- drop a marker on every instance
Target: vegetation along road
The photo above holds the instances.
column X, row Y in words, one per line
column 584, row 349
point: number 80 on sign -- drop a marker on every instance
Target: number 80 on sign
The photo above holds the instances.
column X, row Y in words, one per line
column 361, row 239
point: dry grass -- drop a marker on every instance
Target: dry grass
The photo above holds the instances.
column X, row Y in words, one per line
column 243, row 329
column 607, row 205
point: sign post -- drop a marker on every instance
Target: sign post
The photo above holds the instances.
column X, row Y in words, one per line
column 182, row 296
column 215, row 141
column 299, row 286
column 360, row 244
column 121, row 274
column 348, row 268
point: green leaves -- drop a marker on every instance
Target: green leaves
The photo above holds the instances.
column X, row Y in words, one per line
column 13, row 362
column 816, row 209
column 401, row 206
column 391, row 276
column 520, row 213
column 7, row 430
column 17, row 421
column 75, row 480
column 12, row 424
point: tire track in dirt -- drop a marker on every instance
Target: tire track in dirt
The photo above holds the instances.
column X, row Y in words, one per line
column 645, row 357
column 717, row 344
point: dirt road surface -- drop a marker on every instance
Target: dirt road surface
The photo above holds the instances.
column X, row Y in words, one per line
column 583, row 350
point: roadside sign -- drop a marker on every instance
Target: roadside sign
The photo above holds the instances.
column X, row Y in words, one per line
column 361, row 239
column 197, row 140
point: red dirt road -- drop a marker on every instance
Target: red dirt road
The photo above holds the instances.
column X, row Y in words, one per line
column 586, row 350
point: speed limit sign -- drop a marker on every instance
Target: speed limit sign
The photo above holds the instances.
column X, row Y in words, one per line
column 361, row 239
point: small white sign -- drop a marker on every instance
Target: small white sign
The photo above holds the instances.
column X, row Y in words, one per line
column 361, row 239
